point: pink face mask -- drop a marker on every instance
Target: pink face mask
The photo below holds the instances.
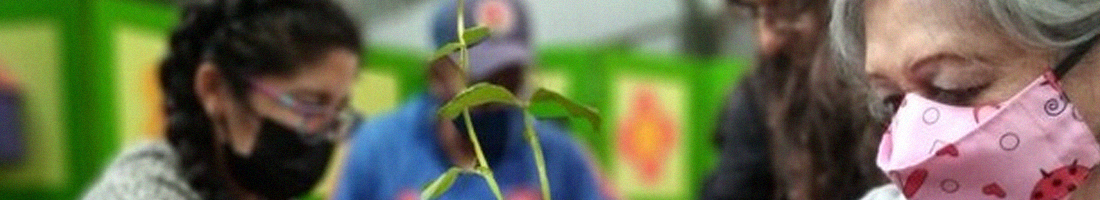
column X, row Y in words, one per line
column 1033, row 146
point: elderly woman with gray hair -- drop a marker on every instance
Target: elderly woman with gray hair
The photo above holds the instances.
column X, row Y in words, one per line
column 990, row 99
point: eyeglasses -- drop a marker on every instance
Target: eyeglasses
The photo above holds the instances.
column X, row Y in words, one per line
column 318, row 122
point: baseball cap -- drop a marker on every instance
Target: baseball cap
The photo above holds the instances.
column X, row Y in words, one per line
column 508, row 44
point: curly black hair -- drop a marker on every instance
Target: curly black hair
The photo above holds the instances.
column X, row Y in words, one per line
column 245, row 38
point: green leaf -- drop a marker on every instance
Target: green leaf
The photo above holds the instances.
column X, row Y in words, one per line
column 575, row 109
column 481, row 93
column 475, row 35
column 445, row 50
column 472, row 36
column 441, row 184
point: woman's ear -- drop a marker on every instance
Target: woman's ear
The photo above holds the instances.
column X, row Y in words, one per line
column 208, row 87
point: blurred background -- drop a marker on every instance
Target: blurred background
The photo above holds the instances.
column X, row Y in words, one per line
column 78, row 82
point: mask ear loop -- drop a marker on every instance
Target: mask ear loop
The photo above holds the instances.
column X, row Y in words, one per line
column 1074, row 57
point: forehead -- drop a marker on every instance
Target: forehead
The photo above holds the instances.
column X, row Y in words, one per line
column 926, row 20
column 899, row 32
column 962, row 12
column 332, row 72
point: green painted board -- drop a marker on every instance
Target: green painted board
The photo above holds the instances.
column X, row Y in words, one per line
column 650, row 96
column 39, row 45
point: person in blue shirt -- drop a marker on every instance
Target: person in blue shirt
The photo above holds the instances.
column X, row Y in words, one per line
column 395, row 155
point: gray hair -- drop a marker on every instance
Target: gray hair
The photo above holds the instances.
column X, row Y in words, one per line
column 1057, row 25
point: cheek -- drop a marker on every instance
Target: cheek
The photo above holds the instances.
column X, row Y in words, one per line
column 241, row 128
column 1088, row 108
column 1013, row 78
column 1082, row 88
column 1086, row 103
column 340, row 80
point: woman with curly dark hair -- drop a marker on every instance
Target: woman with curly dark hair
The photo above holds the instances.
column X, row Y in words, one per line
column 257, row 96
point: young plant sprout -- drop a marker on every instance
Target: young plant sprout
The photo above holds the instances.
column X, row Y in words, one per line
column 484, row 93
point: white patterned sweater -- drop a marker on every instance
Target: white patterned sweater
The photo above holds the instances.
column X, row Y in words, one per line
column 149, row 171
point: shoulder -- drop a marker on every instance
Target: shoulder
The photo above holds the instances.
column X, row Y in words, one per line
column 560, row 147
column 405, row 118
column 385, row 129
column 744, row 101
column 741, row 120
column 150, row 171
column 555, row 138
column 570, row 164
column 386, row 134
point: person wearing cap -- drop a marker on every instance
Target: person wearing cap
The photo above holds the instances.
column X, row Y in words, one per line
column 395, row 155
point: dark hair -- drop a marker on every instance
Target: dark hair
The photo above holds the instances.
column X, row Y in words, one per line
column 242, row 38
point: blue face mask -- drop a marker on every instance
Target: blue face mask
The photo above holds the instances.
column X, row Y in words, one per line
column 493, row 129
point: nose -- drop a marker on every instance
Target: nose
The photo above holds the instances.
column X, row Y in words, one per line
column 887, row 97
column 771, row 39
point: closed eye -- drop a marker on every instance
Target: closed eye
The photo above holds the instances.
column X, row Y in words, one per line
column 953, row 79
column 958, row 97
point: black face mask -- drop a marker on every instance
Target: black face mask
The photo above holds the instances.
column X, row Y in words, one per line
column 282, row 164
column 492, row 129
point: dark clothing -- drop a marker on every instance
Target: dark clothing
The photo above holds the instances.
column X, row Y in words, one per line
column 743, row 171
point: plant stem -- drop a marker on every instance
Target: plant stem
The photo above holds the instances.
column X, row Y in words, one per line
column 482, row 163
column 473, row 139
column 463, row 50
column 464, row 59
column 488, row 174
column 536, row 147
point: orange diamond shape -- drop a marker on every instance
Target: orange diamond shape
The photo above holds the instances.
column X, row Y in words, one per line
column 647, row 135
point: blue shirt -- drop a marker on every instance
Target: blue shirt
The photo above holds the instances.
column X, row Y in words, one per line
column 394, row 156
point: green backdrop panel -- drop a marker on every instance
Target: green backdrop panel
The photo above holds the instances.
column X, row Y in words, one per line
column 38, row 45
column 37, row 73
column 688, row 92
column 89, row 57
